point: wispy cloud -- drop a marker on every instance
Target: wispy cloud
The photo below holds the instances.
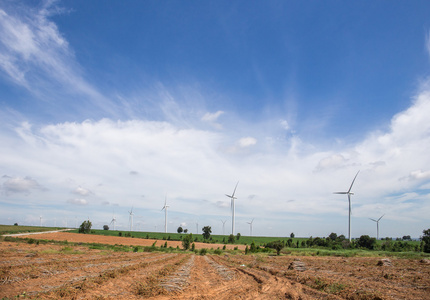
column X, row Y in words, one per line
column 20, row 185
column 35, row 56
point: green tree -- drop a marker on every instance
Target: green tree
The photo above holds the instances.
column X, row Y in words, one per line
column 105, row 227
column 292, row 235
column 85, row 227
column 180, row 229
column 185, row 230
column 333, row 236
column 187, row 240
column 206, row 232
column 238, row 236
column 426, row 240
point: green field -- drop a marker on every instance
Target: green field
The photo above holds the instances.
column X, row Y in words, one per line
column 11, row 229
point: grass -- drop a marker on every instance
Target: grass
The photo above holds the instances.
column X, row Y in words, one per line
column 12, row 229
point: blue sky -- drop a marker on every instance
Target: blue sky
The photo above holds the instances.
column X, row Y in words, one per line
column 106, row 106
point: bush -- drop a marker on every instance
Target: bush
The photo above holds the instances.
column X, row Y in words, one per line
column 203, row 251
column 186, row 241
column 231, row 239
column 366, row 242
column 105, row 227
column 218, row 251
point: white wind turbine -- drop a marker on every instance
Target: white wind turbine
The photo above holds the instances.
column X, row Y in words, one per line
column 377, row 225
column 165, row 213
column 349, row 193
column 40, row 221
column 250, row 226
column 223, row 226
column 113, row 221
column 131, row 218
column 232, row 197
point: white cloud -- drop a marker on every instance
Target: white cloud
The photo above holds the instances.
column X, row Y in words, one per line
column 20, row 185
column 419, row 175
column 247, row 141
column 78, row 201
column 212, row 117
column 82, row 191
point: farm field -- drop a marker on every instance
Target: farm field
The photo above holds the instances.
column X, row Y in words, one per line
column 73, row 271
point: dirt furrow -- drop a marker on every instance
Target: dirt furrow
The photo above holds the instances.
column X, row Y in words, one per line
column 55, row 279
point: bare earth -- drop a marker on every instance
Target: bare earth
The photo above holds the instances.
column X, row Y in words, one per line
column 52, row 271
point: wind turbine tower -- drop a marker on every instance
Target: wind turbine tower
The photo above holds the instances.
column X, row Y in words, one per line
column 40, row 221
column 232, row 197
column 349, row 193
column 131, row 218
column 250, row 226
column 377, row 226
column 223, row 226
column 165, row 214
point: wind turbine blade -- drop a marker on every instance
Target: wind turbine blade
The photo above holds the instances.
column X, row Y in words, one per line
column 229, row 196
column 353, row 181
column 235, row 189
column 381, row 217
column 343, row 193
column 373, row 220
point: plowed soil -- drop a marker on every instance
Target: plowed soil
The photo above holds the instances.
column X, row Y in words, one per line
column 53, row 271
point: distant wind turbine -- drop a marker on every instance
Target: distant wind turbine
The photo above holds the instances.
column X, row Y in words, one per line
column 223, row 226
column 349, row 193
column 113, row 221
column 165, row 213
column 131, row 218
column 250, row 225
column 377, row 225
column 40, row 221
column 197, row 228
column 232, row 197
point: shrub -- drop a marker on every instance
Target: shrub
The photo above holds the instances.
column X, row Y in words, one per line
column 231, row 239
column 366, row 242
column 105, row 227
column 203, row 251
column 218, row 251
column 186, row 241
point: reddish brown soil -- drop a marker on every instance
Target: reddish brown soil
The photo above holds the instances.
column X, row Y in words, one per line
column 53, row 271
column 112, row 240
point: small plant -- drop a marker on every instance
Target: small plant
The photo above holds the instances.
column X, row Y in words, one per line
column 203, row 251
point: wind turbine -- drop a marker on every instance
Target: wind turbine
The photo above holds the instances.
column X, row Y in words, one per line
column 223, row 226
column 349, row 193
column 131, row 218
column 232, row 197
column 250, row 225
column 113, row 221
column 377, row 225
column 165, row 213
column 40, row 221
